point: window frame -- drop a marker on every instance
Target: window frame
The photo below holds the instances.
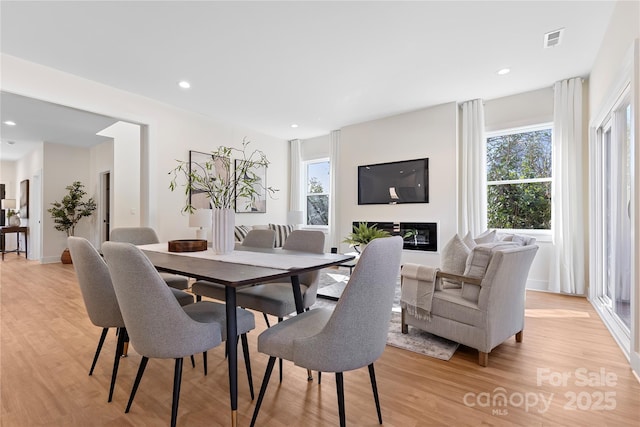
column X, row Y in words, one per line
column 306, row 194
column 540, row 234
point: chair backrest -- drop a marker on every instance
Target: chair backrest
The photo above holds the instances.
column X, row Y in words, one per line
column 156, row 323
column 356, row 333
column 307, row 241
column 134, row 235
column 95, row 284
column 260, row 239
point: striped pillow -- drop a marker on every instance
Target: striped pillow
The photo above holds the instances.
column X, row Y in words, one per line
column 282, row 232
column 241, row 232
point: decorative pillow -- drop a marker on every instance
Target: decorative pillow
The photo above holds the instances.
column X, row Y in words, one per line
column 241, row 232
column 519, row 239
column 486, row 237
column 468, row 240
column 454, row 258
column 282, row 232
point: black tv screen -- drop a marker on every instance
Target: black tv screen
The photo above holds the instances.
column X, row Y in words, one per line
column 396, row 182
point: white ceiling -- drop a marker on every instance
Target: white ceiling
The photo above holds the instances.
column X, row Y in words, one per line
column 322, row 65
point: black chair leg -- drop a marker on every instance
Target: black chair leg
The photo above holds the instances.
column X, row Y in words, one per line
column 319, row 377
column 122, row 336
column 374, row 386
column 193, row 362
column 340, row 388
column 247, row 362
column 95, row 357
column 198, row 298
column 266, row 319
column 136, row 383
column 263, row 388
column 204, row 362
column 177, row 379
column 280, row 360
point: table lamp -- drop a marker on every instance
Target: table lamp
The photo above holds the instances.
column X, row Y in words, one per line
column 9, row 205
column 201, row 218
column 295, row 218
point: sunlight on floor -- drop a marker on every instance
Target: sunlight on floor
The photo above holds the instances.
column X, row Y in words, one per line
column 554, row 313
column 339, row 277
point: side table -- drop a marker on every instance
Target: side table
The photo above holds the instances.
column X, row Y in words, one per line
column 17, row 230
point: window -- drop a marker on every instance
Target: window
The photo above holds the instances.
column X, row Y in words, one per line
column 519, row 178
column 317, row 189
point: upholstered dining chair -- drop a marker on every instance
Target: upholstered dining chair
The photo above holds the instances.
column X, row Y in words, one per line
column 260, row 238
column 147, row 236
column 100, row 299
column 349, row 337
column 160, row 328
column 275, row 298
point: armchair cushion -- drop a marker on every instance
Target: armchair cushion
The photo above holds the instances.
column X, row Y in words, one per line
column 454, row 258
column 477, row 264
column 241, row 232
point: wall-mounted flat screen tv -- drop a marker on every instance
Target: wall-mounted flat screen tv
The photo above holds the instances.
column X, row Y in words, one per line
column 396, row 182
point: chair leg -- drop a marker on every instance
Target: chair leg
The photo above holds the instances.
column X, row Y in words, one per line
column 266, row 319
column 193, row 361
column 122, row 336
column 374, row 387
column 263, row 388
column 177, row 379
column 136, row 383
column 247, row 361
column 204, row 362
column 340, row 389
column 483, row 358
column 198, row 298
column 280, row 360
column 103, row 335
column 519, row 336
column 404, row 328
column 319, row 377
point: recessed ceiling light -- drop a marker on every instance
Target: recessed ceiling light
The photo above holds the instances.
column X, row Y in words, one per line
column 504, row 71
column 10, row 123
column 184, row 84
column 294, row 125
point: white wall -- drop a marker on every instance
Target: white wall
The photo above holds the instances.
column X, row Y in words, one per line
column 432, row 133
column 315, row 148
column 169, row 135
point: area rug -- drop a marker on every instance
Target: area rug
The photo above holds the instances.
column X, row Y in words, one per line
column 331, row 285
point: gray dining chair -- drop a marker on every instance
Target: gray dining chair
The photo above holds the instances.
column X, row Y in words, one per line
column 147, row 236
column 158, row 326
column 351, row 336
column 100, row 299
column 259, row 238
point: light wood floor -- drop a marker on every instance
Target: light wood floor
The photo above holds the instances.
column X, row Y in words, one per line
column 48, row 342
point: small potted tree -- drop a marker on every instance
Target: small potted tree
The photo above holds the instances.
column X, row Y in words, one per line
column 69, row 211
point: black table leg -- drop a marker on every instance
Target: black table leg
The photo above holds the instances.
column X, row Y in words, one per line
column 232, row 338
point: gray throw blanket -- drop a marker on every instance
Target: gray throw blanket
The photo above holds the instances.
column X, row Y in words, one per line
column 418, row 285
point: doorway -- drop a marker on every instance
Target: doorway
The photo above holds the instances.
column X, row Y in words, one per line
column 105, row 206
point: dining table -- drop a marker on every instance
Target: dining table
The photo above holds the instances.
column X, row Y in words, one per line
column 241, row 268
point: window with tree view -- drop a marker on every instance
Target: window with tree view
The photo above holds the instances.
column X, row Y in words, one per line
column 317, row 192
column 519, row 179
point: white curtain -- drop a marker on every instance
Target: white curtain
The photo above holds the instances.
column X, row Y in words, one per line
column 295, row 193
column 567, row 268
column 334, row 230
column 473, row 170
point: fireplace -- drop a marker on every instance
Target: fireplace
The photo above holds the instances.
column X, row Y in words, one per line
column 418, row 236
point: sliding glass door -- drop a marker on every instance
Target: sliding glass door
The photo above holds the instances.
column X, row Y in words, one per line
column 612, row 230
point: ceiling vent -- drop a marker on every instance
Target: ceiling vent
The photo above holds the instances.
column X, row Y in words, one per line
column 553, row 38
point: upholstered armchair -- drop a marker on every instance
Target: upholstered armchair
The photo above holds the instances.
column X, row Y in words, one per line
column 480, row 308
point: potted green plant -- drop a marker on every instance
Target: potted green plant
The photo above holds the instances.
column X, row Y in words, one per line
column 222, row 186
column 362, row 234
column 69, row 211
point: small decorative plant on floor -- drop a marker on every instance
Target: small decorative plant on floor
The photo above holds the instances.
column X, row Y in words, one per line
column 67, row 213
column 362, row 234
